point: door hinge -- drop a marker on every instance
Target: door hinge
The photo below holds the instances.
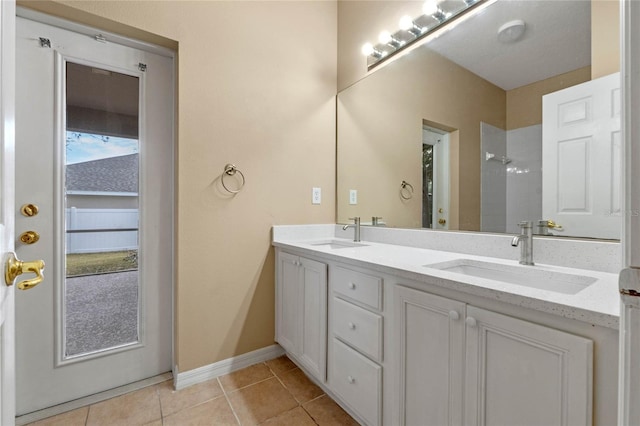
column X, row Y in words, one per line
column 142, row 67
column 45, row 42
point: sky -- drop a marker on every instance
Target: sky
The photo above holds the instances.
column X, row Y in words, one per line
column 83, row 147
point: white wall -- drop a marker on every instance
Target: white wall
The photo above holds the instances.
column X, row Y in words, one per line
column 511, row 192
column 524, row 176
column 493, row 176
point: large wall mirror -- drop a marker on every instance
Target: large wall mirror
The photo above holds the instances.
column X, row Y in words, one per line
column 453, row 135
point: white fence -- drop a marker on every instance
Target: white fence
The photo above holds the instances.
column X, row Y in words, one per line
column 100, row 230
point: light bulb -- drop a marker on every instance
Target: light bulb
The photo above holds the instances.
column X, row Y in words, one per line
column 406, row 23
column 367, row 49
column 384, row 37
column 430, row 7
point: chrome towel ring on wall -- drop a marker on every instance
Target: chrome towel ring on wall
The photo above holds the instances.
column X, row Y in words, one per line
column 406, row 190
column 231, row 170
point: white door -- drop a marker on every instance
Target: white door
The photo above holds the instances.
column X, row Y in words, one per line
column 435, row 185
column 581, row 158
column 7, row 84
column 301, row 306
column 94, row 144
column 312, row 301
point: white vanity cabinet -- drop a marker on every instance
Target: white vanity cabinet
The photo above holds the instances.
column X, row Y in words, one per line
column 301, row 311
column 459, row 364
column 356, row 341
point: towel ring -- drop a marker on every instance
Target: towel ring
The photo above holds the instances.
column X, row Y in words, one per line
column 406, row 190
column 231, row 170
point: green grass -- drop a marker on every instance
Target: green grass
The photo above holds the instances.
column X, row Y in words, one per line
column 97, row 263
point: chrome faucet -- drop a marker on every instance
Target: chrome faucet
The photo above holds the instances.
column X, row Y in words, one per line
column 526, row 238
column 356, row 228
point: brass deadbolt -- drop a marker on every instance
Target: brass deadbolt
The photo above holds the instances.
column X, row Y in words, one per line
column 29, row 237
column 29, row 210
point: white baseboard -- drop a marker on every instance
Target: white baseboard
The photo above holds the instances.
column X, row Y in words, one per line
column 226, row 366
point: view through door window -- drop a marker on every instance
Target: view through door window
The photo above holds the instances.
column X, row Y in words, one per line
column 101, row 195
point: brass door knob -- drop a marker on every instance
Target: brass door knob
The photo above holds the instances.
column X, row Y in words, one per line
column 29, row 210
column 14, row 267
column 442, row 221
column 29, row 237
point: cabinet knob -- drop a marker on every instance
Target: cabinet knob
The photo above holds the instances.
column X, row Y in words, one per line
column 351, row 379
column 352, row 286
column 352, row 326
column 454, row 315
column 471, row 321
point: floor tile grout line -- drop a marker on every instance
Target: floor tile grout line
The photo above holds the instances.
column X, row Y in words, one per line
column 308, row 412
column 226, row 397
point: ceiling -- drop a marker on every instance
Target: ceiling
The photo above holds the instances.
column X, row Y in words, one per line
column 101, row 90
column 557, row 40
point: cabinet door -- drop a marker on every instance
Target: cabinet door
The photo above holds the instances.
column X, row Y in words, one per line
column 287, row 303
column 520, row 373
column 430, row 332
column 313, row 317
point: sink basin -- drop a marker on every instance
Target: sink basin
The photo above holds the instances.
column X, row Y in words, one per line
column 528, row 276
column 338, row 244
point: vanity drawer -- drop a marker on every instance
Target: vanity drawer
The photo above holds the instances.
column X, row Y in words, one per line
column 357, row 381
column 361, row 287
column 360, row 328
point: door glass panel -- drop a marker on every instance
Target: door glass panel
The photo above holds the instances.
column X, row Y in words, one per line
column 101, row 208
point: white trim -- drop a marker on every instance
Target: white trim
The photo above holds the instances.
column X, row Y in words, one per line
column 91, row 32
column 103, row 193
column 226, row 366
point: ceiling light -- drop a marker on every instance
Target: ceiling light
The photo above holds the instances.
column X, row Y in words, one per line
column 430, row 7
column 385, row 37
column 407, row 24
column 419, row 28
column 369, row 50
column 511, row 31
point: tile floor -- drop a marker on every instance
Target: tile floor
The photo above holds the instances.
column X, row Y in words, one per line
column 274, row 393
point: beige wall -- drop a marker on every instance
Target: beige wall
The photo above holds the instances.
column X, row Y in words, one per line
column 382, row 118
column 605, row 37
column 257, row 82
column 524, row 104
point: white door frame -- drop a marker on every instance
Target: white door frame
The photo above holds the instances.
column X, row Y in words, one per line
column 7, row 146
column 441, row 176
column 629, row 341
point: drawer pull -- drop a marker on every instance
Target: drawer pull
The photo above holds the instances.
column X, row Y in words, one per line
column 454, row 315
column 352, row 286
column 351, row 379
column 352, row 326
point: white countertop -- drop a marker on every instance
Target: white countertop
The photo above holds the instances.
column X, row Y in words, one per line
column 598, row 304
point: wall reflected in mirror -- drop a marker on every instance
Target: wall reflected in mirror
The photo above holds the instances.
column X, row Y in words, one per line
column 484, row 97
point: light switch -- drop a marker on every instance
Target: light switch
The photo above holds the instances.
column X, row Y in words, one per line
column 316, row 195
column 353, row 196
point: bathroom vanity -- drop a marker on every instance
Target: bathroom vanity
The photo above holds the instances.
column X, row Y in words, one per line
column 401, row 335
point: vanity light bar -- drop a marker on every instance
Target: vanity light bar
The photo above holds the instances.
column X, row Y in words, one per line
column 436, row 14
